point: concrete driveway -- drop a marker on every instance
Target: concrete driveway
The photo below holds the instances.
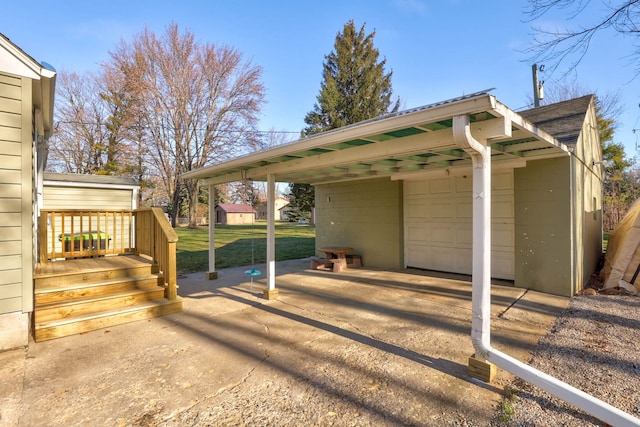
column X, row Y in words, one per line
column 363, row 347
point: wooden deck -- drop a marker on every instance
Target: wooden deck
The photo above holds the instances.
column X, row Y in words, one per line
column 72, row 266
column 80, row 295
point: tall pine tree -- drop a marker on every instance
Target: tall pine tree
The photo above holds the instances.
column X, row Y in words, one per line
column 355, row 86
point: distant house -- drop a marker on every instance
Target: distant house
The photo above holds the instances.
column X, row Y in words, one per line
column 230, row 213
column 280, row 204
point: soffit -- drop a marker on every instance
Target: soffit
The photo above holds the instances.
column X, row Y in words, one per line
column 411, row 142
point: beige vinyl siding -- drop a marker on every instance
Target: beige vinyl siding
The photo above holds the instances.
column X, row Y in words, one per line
column 62, row 197
column 364, row 215
column 15, row 194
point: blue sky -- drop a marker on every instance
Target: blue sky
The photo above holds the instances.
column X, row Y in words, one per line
column 437, row 49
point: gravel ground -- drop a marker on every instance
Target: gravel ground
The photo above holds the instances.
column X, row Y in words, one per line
column 593, row 346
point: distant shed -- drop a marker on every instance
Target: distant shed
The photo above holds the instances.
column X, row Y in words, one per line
column 231, row 213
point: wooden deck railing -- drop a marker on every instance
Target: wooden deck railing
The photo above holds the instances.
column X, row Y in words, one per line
column 77, row 233
column 156, row 238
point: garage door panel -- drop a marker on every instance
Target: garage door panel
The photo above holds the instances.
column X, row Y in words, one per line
column 502, row 181
column 440, row 209
column 415, row 188
column 444, row 242
column 502, row 264
column 464, row 235
column 417, row 255
column 417, row 233
column 502, row 209
column 464, row 184
column 416, row 209
column 441, row 233
column 440, row 186
column 464, row 209
column 502, row 236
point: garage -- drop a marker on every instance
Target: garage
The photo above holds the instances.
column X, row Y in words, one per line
column 438, row 224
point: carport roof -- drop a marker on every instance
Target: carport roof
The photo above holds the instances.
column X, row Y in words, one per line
column 396, row 145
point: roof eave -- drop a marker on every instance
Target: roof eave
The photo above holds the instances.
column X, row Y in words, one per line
column 467, row 106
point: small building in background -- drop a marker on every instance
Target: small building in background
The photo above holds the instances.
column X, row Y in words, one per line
column 75, row 191
column 230, row 213
column 280, row 204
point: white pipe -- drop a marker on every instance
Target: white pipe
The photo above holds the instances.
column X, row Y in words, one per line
column 480, row 154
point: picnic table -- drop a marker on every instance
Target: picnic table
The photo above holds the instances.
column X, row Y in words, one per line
column 336, row 255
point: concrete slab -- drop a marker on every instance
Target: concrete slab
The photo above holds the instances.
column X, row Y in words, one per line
column 351, row 348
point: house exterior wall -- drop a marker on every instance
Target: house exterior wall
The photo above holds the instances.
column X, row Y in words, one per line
column 16, row 211
column 365, row 215
column 543, row 232
column 588, row 173
column 279, row 203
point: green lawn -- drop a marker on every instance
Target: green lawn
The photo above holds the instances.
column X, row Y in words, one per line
column 234, row 244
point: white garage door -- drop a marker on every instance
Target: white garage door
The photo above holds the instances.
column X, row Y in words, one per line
column 438, row 224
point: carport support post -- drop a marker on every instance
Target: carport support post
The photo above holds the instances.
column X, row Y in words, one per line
column 212, row 273
column 271, row 292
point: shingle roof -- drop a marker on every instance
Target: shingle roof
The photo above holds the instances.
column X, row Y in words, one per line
column 563, row 120
column 90, row 179
column 236, row 208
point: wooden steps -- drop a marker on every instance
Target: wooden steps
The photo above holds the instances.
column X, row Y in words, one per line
column 83, row 296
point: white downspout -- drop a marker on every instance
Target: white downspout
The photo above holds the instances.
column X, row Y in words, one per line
column 480, row 154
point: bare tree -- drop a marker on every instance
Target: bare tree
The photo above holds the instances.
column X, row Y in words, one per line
column 560, row 44
column 79, row 141
column 91, row 126
column 198, row 104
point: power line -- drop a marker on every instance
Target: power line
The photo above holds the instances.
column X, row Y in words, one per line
column 260, row 132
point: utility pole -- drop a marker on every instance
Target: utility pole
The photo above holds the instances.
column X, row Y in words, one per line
column 538, row 87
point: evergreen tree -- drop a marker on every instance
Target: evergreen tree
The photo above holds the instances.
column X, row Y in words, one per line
column 355, row 86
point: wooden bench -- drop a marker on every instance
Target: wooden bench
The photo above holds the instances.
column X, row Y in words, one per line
column 354, row 261
column 317, row 261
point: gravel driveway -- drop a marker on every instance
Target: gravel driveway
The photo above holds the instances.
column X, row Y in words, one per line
column 593, row 346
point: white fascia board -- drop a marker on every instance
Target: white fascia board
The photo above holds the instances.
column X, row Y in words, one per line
column 521, row 123
column 433, row 114
column 414, row 144
column 15, row 61
column 49, row 183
